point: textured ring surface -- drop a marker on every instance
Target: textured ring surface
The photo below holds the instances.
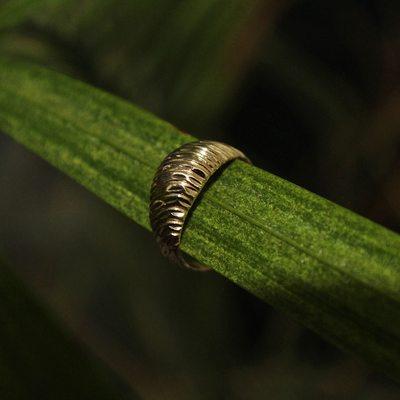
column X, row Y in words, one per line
column 176, row 185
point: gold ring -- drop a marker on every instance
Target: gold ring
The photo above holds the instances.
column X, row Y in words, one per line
column 177, row 183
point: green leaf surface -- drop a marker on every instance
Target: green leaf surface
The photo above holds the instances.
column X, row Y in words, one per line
column 336, row 272
column 144, row 62
column 39, row 359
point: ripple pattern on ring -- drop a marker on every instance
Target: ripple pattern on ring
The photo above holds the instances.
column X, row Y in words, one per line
column 177, row 183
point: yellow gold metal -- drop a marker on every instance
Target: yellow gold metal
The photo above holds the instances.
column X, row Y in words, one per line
column 176, row 185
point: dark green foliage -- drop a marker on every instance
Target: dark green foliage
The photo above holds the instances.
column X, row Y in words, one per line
column 335, row 271
column 38, row 359
column 13, row 12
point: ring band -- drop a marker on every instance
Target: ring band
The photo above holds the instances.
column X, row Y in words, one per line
column 177, row 183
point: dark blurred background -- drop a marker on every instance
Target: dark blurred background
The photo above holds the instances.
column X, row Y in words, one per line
column 310, row 90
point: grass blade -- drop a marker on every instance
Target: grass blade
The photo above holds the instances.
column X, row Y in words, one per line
column 334, row 271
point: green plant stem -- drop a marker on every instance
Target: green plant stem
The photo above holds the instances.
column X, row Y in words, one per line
column 333, row 270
